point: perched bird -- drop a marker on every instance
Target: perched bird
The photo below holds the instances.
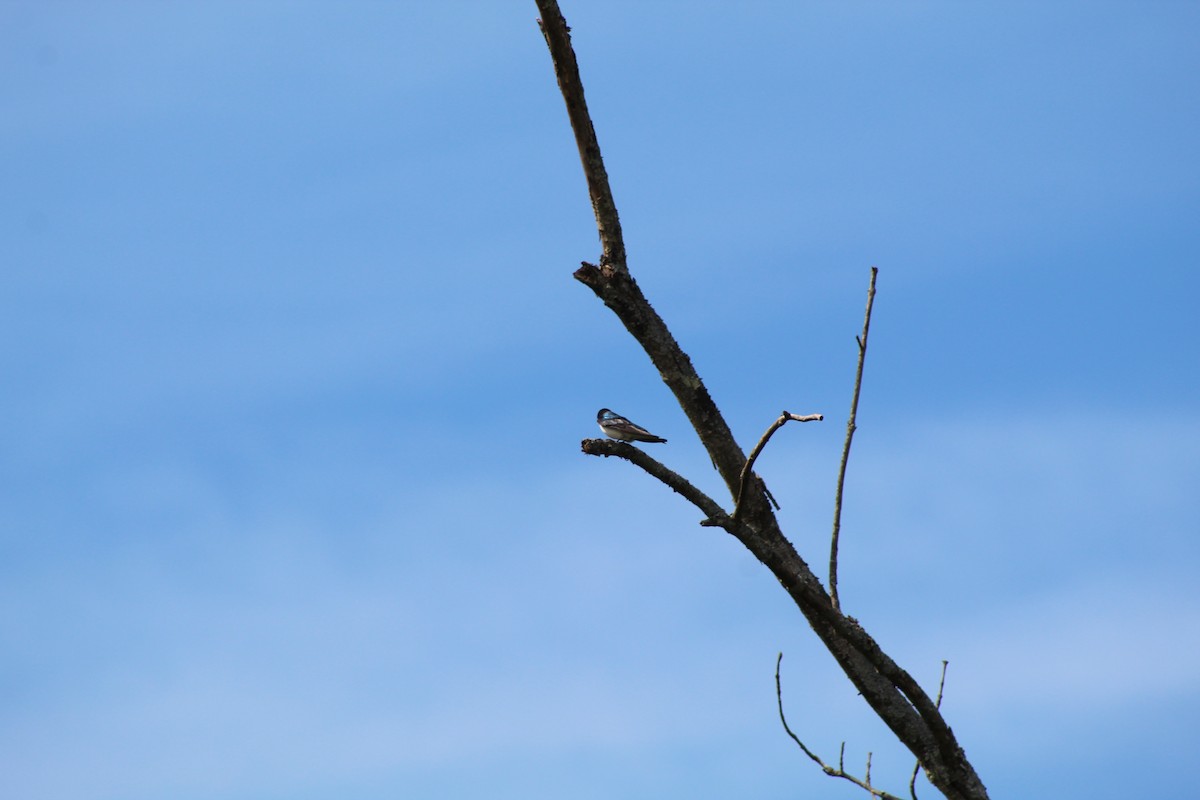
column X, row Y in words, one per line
column 617, row 427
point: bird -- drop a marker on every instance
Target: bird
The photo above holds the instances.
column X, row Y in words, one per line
column 617, row 427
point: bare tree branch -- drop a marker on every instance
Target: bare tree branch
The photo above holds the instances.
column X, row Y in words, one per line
column 834, row 772
column 850, row 428
column 912, row 783
column 566, row 69
column 758, row 448
column 890, row 691
column 611, row 280
column 714, row 514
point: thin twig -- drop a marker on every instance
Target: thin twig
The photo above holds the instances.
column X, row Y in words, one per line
column 912, row 783
column 834, row 772
column 941, row 684
column 779, row 699
column 758, row 448
column 850, row 427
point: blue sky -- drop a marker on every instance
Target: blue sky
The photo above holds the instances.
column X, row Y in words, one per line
column 295, row 374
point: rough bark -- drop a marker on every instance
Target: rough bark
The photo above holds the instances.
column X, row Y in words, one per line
column 890, row 691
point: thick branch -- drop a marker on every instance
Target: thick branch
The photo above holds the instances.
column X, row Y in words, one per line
column 566, row 69
column 889, row 690
column 620, row 292
column 611, row 280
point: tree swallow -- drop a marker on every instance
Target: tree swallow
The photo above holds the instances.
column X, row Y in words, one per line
column 617, row 427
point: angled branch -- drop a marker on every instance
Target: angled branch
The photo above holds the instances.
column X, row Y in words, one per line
column 784, row 417
column 833, row 772
column 566, row 69
column 889, row 690
column 714, row 514
column 611, row 280
column 850, row 428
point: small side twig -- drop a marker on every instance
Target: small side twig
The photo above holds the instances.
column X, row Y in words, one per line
column 834, row 772
column 850, row 428
column 912, row 783
column 747, row 468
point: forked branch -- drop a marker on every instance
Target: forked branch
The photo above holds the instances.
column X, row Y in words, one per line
column 890, row 691
column 834, row 772
column 611, row 281
column 747, row 470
